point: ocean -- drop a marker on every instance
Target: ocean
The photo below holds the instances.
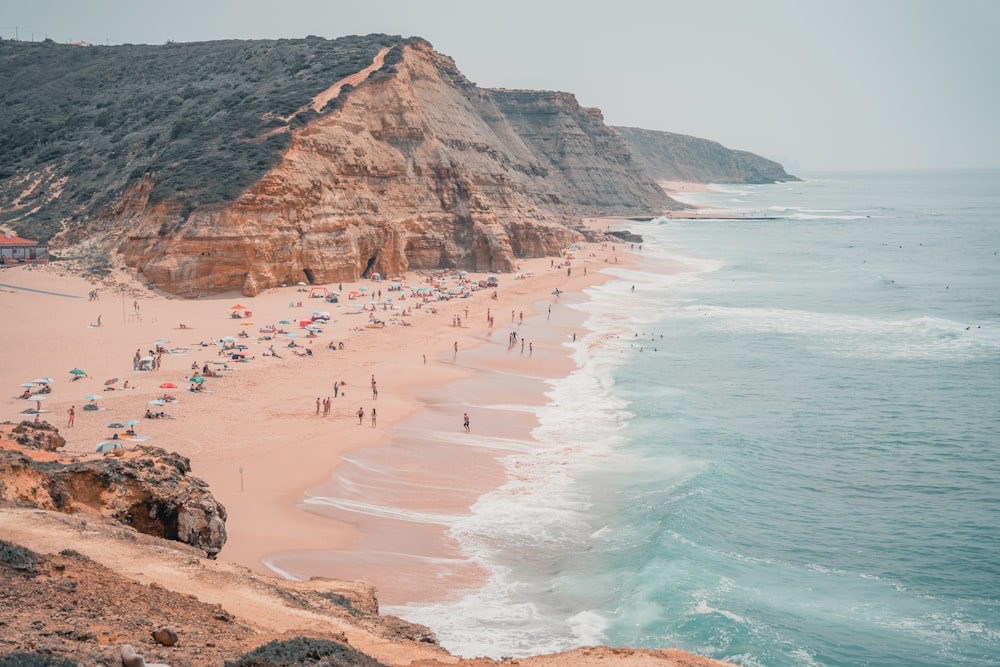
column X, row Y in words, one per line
column 781, row 447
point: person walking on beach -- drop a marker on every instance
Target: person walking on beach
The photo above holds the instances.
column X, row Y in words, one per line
column 317, row 406
column 361, row 415
column 72, row 416
column 336, row 389
column 465, row 422
column 373, row 417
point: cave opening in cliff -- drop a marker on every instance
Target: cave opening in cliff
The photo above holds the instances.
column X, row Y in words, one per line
column 310, row 278
column 368, row 267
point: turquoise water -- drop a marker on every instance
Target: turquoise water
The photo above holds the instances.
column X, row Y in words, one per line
column 785, row 449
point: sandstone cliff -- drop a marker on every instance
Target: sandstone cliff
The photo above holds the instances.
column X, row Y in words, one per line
column 677, row 157
column 416, row 169
column 147, row 488
column 247, row 164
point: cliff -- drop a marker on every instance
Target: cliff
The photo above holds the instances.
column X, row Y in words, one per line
column 248, row 164
column 417, row 169
column 666, row 156
column 146, row 488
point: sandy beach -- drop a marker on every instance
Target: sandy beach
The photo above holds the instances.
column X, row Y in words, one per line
column 254, row 434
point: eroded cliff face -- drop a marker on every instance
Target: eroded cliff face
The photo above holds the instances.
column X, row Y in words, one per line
column 417, row 169
column 148, row 489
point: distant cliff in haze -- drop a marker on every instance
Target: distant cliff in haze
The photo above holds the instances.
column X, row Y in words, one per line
column 678, row 157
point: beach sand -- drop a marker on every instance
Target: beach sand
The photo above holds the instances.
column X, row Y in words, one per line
column 254, row 435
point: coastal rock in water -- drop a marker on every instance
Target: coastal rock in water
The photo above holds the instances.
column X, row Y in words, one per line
column 148, row 489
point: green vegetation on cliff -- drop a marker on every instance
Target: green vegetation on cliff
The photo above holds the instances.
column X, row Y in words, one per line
column 202, row 120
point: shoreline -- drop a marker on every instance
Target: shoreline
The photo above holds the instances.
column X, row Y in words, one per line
column 256, row 440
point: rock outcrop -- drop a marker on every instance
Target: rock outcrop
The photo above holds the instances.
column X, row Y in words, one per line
column 414, row 170
column 147, row 488
column 37, row 435
column 677, row 157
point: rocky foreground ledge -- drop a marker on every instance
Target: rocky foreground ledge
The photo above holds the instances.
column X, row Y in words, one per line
column 82, row 584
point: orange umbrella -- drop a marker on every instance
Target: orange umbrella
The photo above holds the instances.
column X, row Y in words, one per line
column 238, row 307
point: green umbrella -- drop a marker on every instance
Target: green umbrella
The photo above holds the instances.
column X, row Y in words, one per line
column 77, row 371
column 198, row 379
column 284, row 322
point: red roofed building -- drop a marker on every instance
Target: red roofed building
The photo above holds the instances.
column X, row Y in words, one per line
column 15, row 250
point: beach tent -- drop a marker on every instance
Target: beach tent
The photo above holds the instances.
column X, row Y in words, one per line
column 108, row 446
column 318, row 292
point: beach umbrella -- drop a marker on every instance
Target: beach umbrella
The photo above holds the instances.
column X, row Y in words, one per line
column 44, row 380
column 110, row 381
column 108, row 446
column 77, row 371
column 197, row 378
column 146, row 359
column 363, row 289
column 27, row 385
column 168, row 385
column 238, row 306
column 156, row 401
column 161, row 342
column 37, row 398
column 292, row 334
column 283, row 322
column 228, row 339
column 116, row 425
column 132, row 422
column 92, row 397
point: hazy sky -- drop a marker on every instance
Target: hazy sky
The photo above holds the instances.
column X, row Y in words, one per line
column 815, row 84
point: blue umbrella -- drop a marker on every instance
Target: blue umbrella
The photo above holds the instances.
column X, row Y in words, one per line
column 132, row 422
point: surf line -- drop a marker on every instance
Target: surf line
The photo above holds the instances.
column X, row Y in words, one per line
column 40, row 291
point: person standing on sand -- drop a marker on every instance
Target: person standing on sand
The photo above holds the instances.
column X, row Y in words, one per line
column 465, row 422
column 317, row 406
column 361, row 415
column 373, row 417
column 336, row 389
column 72, row 416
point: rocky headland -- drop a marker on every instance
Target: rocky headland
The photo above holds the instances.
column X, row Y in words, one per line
column 246, row 165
